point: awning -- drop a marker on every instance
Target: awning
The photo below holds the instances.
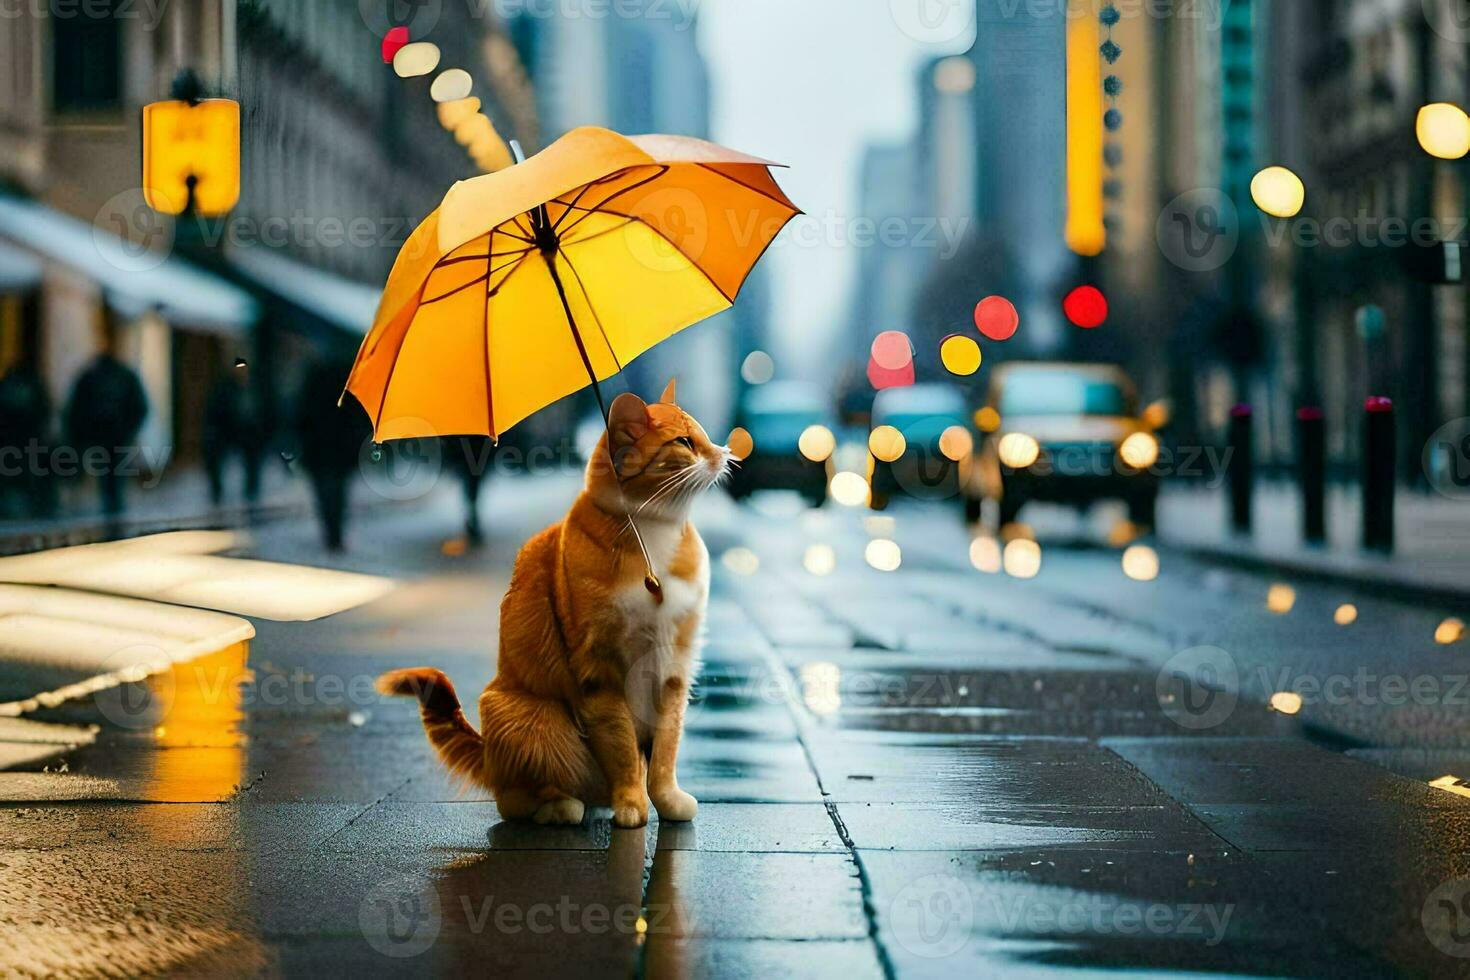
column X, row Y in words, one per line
column 133, row 280
column 338, row 302
column 18, row 271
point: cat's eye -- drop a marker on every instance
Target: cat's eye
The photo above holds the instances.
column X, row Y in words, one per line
column 686, row 442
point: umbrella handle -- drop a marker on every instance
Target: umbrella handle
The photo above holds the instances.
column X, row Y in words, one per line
column 515, row 148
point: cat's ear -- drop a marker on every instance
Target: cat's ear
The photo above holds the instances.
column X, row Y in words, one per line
column 628, row 419
column 667, row 398
column 627, row 422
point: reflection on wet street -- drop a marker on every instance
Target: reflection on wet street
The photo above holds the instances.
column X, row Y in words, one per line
column 968, row 764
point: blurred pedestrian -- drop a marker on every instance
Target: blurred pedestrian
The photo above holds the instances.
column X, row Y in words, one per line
column 331, row 438
column 234, row 427
column 103, row 417
column 25, row 421
column 470, row 456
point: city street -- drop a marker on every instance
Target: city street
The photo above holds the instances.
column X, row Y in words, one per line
column 931, row 771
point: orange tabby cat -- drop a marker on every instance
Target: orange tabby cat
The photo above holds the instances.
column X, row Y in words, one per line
column 587, row 707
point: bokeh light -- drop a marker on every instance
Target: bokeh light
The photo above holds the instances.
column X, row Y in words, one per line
column 996, row 318
column 473, row 128
column 1345, row 614
column 886, row 443
column 1018, row 450
column 881, row 377
column 1141, row 563
column 849, row 489
column 987, row 419
column 1443, row 130
column 1140, row 450
column 985, row 554
column 741, row 443
column 1086, row 307
column 451, row 114
column 1280, row 598
column 819, row 560
column 892, row 350
column 821, row 688
column 1022, row 558
column 879, row 525
column 883, row 554
column 956, row 443
column 1450, row 631
column 1286, row 702
column 393, row 42
column 1122, row 533
column 757, row 368
column 1278, row 192
column 451, row 85
column 817, row 443
column 960, row 354
column 418, row 58
column 741, row 561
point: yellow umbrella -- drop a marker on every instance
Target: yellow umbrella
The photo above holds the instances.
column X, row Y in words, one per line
column 530, row 283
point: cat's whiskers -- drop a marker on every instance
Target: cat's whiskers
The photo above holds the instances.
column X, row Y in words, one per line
column 668, row 487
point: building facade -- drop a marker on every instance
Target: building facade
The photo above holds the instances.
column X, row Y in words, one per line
column 340, row 161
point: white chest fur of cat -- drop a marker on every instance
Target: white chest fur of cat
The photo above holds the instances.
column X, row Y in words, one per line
column 648, row 646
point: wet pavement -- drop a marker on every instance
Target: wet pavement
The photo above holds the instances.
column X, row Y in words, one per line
column 934, row 771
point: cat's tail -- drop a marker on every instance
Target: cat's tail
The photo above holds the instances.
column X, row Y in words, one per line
column 460, row 747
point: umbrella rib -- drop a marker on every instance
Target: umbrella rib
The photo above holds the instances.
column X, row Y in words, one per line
column 485, row 338
column 595, row 318
column 628, row 220
column 392, row 369
column 529, row 233
column 753, row 190
column 476, row 258
column 572, row 204
column 478, row 279
column 500, row 230
column 728, row 298
column 601, row 207
column 606, row 179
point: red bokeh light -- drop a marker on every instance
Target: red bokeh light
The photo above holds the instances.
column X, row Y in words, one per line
column 880, row 377
column 396, row 38
column 1086, row 307
column 892, row 351
column 996, row 318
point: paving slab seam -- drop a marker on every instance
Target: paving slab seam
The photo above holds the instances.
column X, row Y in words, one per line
column 865, row 885
column 321, row 845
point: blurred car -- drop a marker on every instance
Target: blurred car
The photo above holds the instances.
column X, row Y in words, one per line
column 1064, row 433
column 920, row 443
column 791, row 426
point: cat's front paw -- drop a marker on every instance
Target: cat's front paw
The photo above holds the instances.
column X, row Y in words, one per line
column 563, row 812
column 629, row 811
column 675, row 805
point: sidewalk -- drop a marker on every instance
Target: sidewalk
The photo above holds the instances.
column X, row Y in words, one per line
column 180, row 501
column 1432, row 555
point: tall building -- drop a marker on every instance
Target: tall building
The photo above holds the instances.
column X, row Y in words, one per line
column 1020, row 170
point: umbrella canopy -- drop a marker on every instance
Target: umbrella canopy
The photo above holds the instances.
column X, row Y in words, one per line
column 529, row 283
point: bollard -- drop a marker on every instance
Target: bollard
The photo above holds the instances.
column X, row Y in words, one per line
column 1379, row 460
column 1311, row 427
column 1242, row 469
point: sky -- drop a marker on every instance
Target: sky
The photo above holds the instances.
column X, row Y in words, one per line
column 811, row 83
